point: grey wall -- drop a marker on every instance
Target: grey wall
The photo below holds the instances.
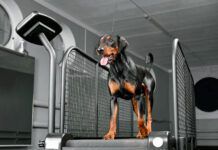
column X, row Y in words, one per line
column 206, row 123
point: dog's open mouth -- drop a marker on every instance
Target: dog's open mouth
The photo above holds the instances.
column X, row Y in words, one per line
column 106, row 60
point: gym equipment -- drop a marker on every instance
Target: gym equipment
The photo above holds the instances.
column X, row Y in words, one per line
column 79, row 68
column 39, row 29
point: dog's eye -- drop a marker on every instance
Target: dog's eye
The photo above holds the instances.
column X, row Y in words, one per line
column 110, row 42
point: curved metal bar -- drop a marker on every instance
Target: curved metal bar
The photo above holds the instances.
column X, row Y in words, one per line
column 63, row 68
column 52, row 82
column 176, row 47
column 175, row 110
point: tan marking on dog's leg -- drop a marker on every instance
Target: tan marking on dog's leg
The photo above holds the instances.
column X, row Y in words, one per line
column 113, row 86
column 149, row 112
column 113, row 124
column 135, row 105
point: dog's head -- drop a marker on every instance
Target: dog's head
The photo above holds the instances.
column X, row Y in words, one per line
column 109, row 47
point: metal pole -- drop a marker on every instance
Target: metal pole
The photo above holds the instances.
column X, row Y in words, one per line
column 62, row 110
column 175, row 110
column 52, row 82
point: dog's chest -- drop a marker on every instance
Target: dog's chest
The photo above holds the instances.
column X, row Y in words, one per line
column 123, row 72
column 123, row 89
column 122, row 86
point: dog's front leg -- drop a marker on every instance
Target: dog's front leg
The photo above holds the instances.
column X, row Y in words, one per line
column 113, row 122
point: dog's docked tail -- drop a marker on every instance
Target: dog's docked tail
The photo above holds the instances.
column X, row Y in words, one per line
column 149, row 59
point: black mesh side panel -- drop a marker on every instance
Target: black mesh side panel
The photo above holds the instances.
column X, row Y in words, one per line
column 185, row 97
column 80, row 96
column 103, row 103
column 125, row 119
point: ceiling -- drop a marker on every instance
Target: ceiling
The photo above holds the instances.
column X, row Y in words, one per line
column 194, row 22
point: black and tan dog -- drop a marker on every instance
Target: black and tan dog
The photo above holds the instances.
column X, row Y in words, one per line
column 128, row 81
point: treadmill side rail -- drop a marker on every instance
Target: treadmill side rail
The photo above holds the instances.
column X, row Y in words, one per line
column 56, row 141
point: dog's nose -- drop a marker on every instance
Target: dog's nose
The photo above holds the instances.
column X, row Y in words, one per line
column 100, row 50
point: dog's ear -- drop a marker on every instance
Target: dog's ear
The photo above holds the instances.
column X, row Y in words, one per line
column 122, row 43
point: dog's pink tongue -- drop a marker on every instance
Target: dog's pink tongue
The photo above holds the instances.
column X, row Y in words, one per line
column 104, row 61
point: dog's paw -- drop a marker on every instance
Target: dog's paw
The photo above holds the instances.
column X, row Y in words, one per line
column 143, row 133
column 139, row 135
column 110, row 135
column 149, row 129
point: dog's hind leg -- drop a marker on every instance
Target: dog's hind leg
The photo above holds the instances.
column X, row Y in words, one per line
column 148, row 92
column 113, row 122
column 149, row 86
column 139, row 109
column 149, row 104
